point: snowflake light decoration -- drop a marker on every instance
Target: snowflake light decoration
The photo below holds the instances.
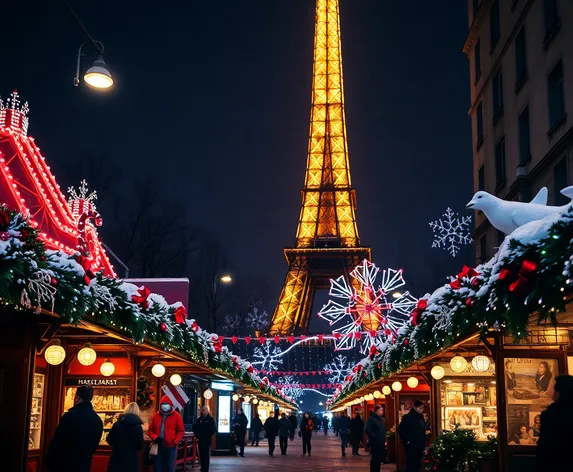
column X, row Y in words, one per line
column 232, row 323
column 257, row 319
column 373, row 312
column 338, row 369
column 451, row 232
column 290, row 387
column 267, row 357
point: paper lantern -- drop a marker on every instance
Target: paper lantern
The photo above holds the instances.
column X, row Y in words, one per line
column 397, row 386
column 481, row 363
column 55, row 353
column 438, row 372
column 386, row 390
column 377, row 394
column 412, row 382
column 235, row 397
column 458, row 364
column 87, row 356
column 175, row 380
column 369, row 397
column 255, row 401
column 158, row 370
column 208, row 394
column 107, row 368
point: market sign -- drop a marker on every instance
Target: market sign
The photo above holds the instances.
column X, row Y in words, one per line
column 541, row 336
column 95, row 382
column 223, row 386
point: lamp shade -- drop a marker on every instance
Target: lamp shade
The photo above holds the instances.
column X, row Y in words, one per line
column 481, row 363
column 98, row 75
column 397, row 386
column 158, row 370
column 458, row 364
column 377, row 394
column 107, row 368
column 386, row 390
column 412, row 382
column 55, row 353
column 87, row 356
column 175, row 380
column 438, row 372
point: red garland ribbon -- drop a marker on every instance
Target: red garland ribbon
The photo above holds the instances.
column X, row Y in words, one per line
column 180, row 314
column 466, row 273
column 519, row 280
column 417, row 312
column 195, row 327
column 86, row 264
column 141, row 297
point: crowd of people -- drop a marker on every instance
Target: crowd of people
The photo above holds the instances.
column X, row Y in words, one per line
column 80, row 430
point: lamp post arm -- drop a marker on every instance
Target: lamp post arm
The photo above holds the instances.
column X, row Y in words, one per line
column 99, row 48
column 96, row 44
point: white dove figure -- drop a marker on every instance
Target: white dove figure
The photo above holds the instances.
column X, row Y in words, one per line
column 507, row 216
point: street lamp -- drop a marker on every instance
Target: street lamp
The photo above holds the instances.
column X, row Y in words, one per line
column 226, row 279
column 98, row 75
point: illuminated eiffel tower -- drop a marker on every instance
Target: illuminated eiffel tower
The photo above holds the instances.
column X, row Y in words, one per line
column 327, row 242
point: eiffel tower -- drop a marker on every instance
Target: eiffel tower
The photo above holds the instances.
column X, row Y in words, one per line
column 327, row 242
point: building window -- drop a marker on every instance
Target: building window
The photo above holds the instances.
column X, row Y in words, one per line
column 479, row 125
column 483, row 249
column 520, row 58
column 524, row 136
column 560, row 181
column 556, row 96
column 494, row 26
column 477, row 60
column 551, row 16
column 497, row 95
column 500, row 163
column 481, row 178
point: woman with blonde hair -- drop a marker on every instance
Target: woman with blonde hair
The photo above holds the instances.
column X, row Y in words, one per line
column 126, row 439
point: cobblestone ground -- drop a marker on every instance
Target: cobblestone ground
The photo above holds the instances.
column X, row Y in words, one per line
column 326, row 456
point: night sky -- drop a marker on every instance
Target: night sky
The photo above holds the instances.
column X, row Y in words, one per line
column 212, row 99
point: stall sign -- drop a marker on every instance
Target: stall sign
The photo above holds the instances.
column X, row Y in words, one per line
column 94, row 382
column 222, row 386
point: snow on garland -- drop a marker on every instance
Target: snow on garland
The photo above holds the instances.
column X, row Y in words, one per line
column 34, row 278
column 532, row 272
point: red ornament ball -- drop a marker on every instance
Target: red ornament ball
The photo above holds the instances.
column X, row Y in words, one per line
column 163, row 327
column 53, row 281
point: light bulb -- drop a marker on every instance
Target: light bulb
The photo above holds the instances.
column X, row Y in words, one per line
column 158, row 370
column 175, row 380
column 386, row 390
column 208, row 394
column 438, row 372
column 397, row 386
column 412, row 382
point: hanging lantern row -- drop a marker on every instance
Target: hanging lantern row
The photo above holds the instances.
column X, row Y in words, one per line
column 459, row 364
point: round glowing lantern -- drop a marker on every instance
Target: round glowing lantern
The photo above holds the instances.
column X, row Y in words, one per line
column 481, row 363
column 377, row 394
column 386, row 390
column 438, row 372
column 208, row 394
column 255, row 401
column 235, row 397
column 458, row 364
column 412, row 382
column 397, row 386
column 55, row 353
column 107, row 368
column 175, row 380
column 158, row 370
column 87, row 356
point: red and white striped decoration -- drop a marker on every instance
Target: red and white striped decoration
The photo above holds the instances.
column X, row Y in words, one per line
column 176, row 394
column 86, row 216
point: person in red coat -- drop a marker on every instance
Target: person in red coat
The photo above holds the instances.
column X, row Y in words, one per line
column 166, row 430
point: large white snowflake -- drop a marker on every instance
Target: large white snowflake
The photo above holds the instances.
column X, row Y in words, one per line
column 338, row 369
column 257, row 319
column 374, row 311
column 268, row 356
column 289, row 386
column 232, row 323
column 451, row 232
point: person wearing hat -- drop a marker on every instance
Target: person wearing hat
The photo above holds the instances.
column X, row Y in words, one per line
column 556, row 432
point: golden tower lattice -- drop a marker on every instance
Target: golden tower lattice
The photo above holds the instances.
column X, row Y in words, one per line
column 327, row 242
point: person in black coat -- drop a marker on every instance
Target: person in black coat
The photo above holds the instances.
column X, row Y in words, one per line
column 556, row 433
column 125, row 439
column 77, row 436
column 240, row 423
column 204, row 428
column 256, row 427
column 412, row 432
column 305, row 432
column 294, row 424
column 325, row 422
column 285, row 432
column 376, row 432
column 356, row 433
column 343, row 425
column 272, row 429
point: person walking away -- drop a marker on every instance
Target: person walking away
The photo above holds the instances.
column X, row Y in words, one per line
column 305, row 432
column 240, row 423
column 335, row 424
column 412, row 432
column 325, row 424
column 126, row 439
column 356, row 433
column 204, row 428
column 556, row 434
column 166, row 430
column 256, row 426
column 272, row 429
column 344, row 430
column 294, row 424
column 77, row 436
column 285, row 432
column 376, row 432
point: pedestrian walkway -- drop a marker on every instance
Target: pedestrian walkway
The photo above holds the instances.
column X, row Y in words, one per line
column 326, row 456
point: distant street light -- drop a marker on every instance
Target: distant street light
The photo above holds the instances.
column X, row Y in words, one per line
column 320, row 403
column 396, row 295
column 226, row 279
column 98, row 75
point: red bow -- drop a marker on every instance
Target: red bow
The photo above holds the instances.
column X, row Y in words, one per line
column 195, row 327
column 519, row 280
column 466, row 273
column 417, row 312
column 218, row 345
column 373, row 351
column 180, row 314
column 141, row 297
column 250, row 369
column 87, row 266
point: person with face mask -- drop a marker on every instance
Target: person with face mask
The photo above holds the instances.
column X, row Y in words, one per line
column 412, row 432
column 166, row 430
column 272, row 429
column 204, row 429
column 77, row 436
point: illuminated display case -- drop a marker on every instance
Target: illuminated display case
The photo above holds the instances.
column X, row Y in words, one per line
column 469, row 404
column 37, row 411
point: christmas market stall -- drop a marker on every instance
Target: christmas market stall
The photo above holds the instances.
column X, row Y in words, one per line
column 488, row 346
column 69, row 321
